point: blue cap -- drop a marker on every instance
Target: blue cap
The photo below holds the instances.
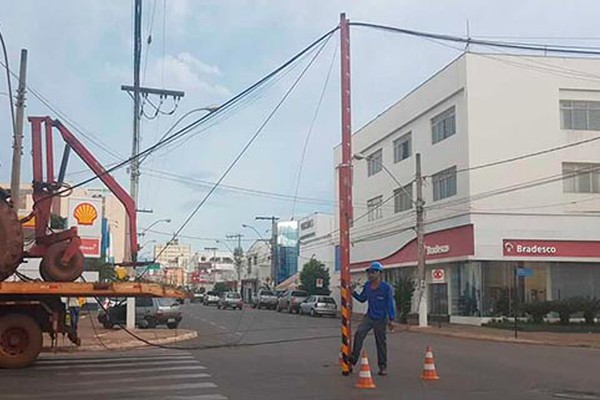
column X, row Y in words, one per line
column 375, row 266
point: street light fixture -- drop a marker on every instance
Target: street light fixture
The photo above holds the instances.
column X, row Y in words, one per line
column 421, row 290
column 359, row 156
column 268, row 242
column 166, row 220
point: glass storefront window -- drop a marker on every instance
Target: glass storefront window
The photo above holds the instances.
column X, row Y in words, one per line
column 574, row 280
column 465, row 288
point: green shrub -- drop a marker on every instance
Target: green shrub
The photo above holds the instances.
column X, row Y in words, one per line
column 403, row 293
column 537, row 310
column 590, row 308
column 567, row 307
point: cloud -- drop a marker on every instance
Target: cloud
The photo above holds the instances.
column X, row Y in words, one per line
column 186, row 72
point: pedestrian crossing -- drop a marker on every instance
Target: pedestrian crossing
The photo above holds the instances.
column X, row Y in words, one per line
column 146, row 374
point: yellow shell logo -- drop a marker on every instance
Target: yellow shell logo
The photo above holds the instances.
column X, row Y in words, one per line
column 85, row 214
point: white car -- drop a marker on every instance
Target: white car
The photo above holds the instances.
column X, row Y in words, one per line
column 319, row 305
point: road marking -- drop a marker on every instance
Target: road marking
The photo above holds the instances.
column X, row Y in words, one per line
column 136, row 371
column 78, row 361
column 147, row 378
column 127, row 389
column 212, row 323
column 196, row 397
column 117, row 365
column 222, row 327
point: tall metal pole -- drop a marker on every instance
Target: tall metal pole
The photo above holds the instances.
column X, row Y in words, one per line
column 135, row 174
column 15, row 183
column 421, row 251
column 345, row 194
column 274, row 255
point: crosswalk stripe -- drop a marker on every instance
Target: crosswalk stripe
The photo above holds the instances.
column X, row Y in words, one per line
column 75, row 360
column 116, row 365
column 195, row 397
column 146, row 378
column 67, row 392
column 135, row 371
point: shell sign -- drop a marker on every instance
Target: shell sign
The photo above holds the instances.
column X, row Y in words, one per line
column 85, row 214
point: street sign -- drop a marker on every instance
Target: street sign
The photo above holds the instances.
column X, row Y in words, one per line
column 319, row 283
column 525, row 272
column 438, row 276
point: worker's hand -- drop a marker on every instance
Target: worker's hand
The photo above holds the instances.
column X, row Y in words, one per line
column 391, row 326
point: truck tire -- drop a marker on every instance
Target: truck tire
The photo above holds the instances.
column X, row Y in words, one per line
column 172, row 325
column 20, row 341
column 54, row 271
column 11, row 240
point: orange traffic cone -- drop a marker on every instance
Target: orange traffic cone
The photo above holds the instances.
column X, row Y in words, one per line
column 429, row 372
column 364, row 375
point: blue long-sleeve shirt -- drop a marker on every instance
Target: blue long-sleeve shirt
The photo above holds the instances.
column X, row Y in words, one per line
column 381, row 301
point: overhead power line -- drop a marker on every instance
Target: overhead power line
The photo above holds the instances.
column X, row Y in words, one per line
column 548, row 48
column 248, row 144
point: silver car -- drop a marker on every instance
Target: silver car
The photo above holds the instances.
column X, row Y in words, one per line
column 319, row 305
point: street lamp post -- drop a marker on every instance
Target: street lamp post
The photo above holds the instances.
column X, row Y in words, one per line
column 420, row 298
column 166, row 220
column 274, row 255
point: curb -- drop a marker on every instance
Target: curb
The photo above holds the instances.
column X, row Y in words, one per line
column 124, row 345
column 500, row 339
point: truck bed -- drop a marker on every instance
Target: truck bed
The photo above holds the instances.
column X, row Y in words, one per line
column 89, row 289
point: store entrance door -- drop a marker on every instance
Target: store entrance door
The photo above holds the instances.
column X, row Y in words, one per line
column 438, row 293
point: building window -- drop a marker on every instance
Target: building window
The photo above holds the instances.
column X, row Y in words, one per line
column 374, row 162
column 403, row 199
column 444, row 184
column 374, row 208
column 580, row 115
column 443, row 125
column 581, row 178
column 402, row 147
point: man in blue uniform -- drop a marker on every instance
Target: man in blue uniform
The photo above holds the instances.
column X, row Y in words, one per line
column 381, row 313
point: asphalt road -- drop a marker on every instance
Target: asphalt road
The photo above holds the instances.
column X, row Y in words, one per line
column 296, row 357
column 260, row 354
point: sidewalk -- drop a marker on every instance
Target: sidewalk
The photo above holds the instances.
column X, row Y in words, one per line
column 590, row 340
column 95, row 338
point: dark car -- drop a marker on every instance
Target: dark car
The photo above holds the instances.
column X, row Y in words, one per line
column 290, row 301
column 149, row 313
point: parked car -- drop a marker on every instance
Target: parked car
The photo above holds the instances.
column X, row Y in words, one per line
column 230, row 300
column 149, row 313
column 211, row 298
column 319, row 305
column 197, row 298
column 290, row 300
column 265, row 298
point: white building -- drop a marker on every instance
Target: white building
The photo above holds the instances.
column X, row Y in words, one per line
column 173, row 256
column 256, row 270
column 317, row 240
column 222, row 265
column 485, row 217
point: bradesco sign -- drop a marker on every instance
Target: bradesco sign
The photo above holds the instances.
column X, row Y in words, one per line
column 551, row 248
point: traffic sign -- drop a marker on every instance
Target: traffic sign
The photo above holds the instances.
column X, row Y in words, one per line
column 319, row 282
column 525, row 272
column 438, row 276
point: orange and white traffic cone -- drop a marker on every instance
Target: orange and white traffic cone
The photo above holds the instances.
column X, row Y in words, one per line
column 429, row 372
column 365, row 381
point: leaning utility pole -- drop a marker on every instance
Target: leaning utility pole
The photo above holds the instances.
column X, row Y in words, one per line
column 345, row 194
column 274, row 261
column 420, row 281
column 15, row 183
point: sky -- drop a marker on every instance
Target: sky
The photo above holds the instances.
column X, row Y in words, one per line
column 80, row 53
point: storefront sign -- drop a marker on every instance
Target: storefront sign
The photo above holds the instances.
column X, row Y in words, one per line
column 551, row 248
column 444, row 244
column 438, row 276
column 85, row 214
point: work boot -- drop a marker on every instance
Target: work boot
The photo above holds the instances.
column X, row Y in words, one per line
column 382, row 372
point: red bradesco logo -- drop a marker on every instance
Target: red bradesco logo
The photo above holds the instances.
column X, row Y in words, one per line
column 550, row 248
